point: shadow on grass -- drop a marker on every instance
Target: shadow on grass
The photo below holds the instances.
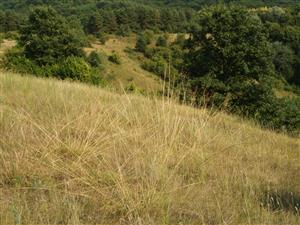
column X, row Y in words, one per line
column 282, row 201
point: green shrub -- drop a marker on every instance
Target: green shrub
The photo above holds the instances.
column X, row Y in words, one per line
column 157, row 66
column 258, row 102
column 149, row 52
column 282, row 114
column 161, row 41
column 141, row 44
column 123, row 31
column 96, row 78
column 47, row 38
column 102, row 37
column 94, row 59
column 14, row 60
column 115, row 58
column 12, row 35
column 75, row 68
column 132, row 88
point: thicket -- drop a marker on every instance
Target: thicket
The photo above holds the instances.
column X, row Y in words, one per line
column 231, row 61
column 50, row 46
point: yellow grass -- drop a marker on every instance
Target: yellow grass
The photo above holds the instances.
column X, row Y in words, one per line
column 6, row 45
column 75, row 154
column 129, row 71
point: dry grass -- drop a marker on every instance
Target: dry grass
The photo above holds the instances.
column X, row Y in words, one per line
column 130, row 70
column 6, row 45
column 74, row 154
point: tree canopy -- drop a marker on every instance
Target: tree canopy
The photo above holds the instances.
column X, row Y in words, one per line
column 47, row 38
column 228, row 47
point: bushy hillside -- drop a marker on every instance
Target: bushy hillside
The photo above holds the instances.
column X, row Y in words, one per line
column 76, row 154
column 6, row 4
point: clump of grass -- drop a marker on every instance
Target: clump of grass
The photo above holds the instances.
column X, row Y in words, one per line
column 75, row 154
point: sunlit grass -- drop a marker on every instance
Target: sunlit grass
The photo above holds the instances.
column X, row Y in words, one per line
column 76, row 154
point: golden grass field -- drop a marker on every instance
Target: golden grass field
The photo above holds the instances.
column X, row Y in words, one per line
column 77, row 154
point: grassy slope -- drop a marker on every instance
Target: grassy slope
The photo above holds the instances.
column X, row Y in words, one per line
column 74, row 154
column 130, row 70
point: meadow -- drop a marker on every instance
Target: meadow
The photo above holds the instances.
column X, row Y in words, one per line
column 71, row 153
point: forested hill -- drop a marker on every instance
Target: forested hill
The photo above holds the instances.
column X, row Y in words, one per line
column 86, row 4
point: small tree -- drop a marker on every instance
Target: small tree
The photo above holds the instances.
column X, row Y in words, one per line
column 115, row 58
column 141, row 44
column 229, row 47
column 75, row 68
column 94, row 24
column 284, row 60
column 94, row 59
column 47, row 38
column 161, row 41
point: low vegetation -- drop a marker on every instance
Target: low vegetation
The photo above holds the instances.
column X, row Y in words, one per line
column 72, row 153
column 76, row 154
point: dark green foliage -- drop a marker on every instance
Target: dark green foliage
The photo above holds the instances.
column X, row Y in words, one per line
column 11, row 35
column 232, row 64
column 284, row 60
column 162, row 41
column 115, row 58
column 16, row 61
column 95, row 24
column 102, row 37
column 74, row 68
column 94, row 59
column 9, row 21
column 228, row 47
column 141, row 44
column 123, row 31
column 47, row 38
column 180, row 40
column 156, row 65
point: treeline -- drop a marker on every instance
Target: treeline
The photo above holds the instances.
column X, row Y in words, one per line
column 122, row 20
column 9, row 21
column 117, row 16
column 81, row 5
column 243, row 61
column 283, row 28
column 107, row 16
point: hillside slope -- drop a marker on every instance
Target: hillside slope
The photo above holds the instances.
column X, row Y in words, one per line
column 75, row 154
column 129, row 71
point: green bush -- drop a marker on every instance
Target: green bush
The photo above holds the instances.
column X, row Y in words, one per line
column 96, row 78
column 14, row 60
column 75, row 68
column 141, row 44
column 282, row 114
column 115, row 58
column 47, row 38
column 160, row 67
column 162, row 41
column 94, row 59
column 132, row 88
column 156, row 65
column 12, row 35
column 102, row 37
column 258, row 102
